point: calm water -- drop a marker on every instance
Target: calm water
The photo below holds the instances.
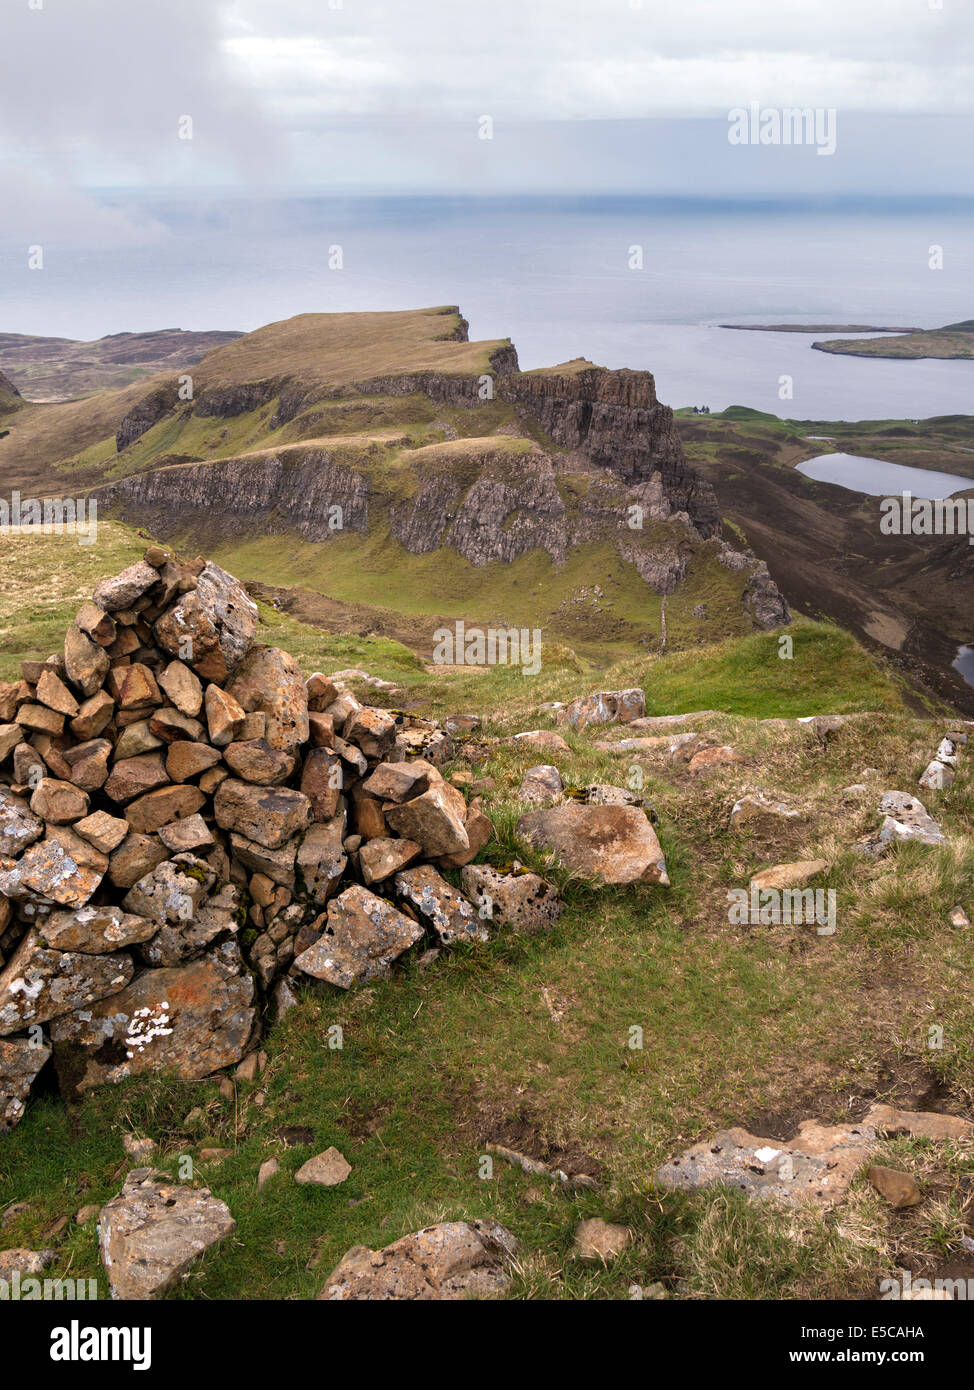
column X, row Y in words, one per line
column 965, row 663
column 552, row 274
column 880, row 479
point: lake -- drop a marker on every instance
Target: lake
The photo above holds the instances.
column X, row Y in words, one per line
column 965, row 663
column 877, row 478
column 551, row 273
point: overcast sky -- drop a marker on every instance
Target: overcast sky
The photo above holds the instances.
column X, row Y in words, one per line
column 585, row 95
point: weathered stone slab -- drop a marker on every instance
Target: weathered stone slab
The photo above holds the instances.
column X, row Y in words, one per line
column 456, row 1260
column 362, row 937
column 153, row 1231
column 40, row 984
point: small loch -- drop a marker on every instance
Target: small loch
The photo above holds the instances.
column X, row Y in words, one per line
column 877, row 478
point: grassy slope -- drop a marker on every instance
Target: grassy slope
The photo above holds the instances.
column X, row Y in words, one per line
column 525, row 1041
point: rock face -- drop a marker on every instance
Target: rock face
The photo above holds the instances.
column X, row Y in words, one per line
column 459, row 1259
column 613, row 844
column 154, row 1231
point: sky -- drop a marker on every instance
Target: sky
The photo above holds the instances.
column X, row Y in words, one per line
column 466, row 96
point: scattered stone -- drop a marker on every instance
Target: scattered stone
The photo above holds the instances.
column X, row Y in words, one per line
column 596, row 1239
column 544, row 739
column 789, row 875
column 608, row 707
column 435, row 820
column 153, row 1231
column 906, row 818
column 27, row 1263
column 708, row 758
column 137, row 1148
column 899, row 1189
column 456, row 1260
column 327, row 1169
column 541, row 785
column 267, row 1170
column 756, row 804
column 959, row 918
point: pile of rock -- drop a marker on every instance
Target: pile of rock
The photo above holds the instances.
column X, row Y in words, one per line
column 185, row 820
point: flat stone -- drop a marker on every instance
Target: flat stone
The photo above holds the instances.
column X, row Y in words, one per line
column 153, row 1231
column 256, row 761
column 184, row 836
column 133, row 687
column 613, row 844
column 817, row 1165
column 173, row 727
column 183, row 687
column 58, row 803
column 52, row 691
column 40, row 984
column 398, row 781
column 134, row 858
column 789, row 875
column 439, row 905
column 189, row 1019
column 455, row 1260
column 122, row 590
column 132, row 777
column 95, row 930
column 362, row 937
column 327, row 1169
column 756, row 804
column 185, row 759
column 93, row 715
column 135, row 740
column 918, row 1124
column 277, row 864
column 158, row 808
column 709, row 758
column 545, row 739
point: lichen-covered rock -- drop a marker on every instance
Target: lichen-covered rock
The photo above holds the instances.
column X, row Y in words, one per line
column 19, row 827
column 211, row 627
column 62, row 869
column 122, row 590
column 189, row 1019
column 523, row 901
column 363, row 935
column 20, row 1061
column 95, row 930
column 606, row 707
column 172, row 891
column 321, row 860
column 153, row 1231
column 38, row 983
column 458, row 1259
column 440, row 906
column 270, row 680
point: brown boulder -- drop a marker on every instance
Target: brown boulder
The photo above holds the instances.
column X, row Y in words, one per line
column 613, row 844
column 269, row 815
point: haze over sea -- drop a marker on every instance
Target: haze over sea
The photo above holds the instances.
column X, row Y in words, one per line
column 551, row 273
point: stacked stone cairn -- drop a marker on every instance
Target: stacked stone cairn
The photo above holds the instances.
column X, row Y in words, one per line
column 186, row 822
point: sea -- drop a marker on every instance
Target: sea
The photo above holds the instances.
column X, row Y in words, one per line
column 624, row 282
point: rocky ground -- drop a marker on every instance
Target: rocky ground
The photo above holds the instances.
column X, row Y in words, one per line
column 306, row 964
